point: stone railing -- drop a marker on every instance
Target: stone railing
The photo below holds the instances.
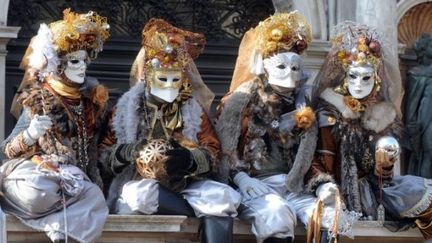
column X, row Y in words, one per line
column 162, row 228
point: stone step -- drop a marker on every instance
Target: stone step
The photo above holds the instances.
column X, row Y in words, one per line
column 166, row 228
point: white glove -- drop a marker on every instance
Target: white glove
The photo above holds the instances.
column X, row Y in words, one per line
column 327, row 192
column 37, row 128
column 250, row 187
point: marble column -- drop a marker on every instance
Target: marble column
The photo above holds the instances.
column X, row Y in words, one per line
column 6, row 33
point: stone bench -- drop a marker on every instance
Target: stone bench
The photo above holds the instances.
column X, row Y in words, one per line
column 161, row 228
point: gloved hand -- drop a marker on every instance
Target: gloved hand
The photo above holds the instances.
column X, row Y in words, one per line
column 384, row 163
column 250, row 187
column 179, row 162
column 327, row 192
column 128, row 153
column 37, row 128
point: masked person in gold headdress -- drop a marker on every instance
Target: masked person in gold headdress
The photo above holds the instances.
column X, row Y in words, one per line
column 359, row 132
column 267, row 128
column 162, row 148
column 49, row 182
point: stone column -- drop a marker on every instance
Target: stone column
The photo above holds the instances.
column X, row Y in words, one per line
column 6, row 33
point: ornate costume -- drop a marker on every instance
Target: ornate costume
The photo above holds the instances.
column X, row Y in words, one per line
column 355, row 116
column 267, row 128
column 417, row 104
column 162, row 146
column 53, row 148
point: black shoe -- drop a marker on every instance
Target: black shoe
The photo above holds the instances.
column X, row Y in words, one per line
column 171, row 203
column 215, row 229
column 278, row 240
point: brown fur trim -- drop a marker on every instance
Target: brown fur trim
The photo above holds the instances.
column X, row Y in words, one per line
column 99, row 97
column 374, row 118
column 303, row 160
column 228, row 128
column 314, row 182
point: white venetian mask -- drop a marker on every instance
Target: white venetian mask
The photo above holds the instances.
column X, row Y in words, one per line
column 284, row 70
column 361, row 80
column 76, row 66
column 166, row 84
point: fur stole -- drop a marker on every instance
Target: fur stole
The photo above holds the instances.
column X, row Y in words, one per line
column 357, row 133
column 228, row 128
column 129, row 113
column 127, row 125
column 39, row 100
column 375, row 118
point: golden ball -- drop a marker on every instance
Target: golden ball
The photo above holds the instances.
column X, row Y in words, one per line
column 276, row 34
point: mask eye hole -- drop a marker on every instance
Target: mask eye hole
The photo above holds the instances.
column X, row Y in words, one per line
column 281, row 66
column 74, row 61
column 366, row 78
column 294, row 68
column 163, row 79
column 353, row 76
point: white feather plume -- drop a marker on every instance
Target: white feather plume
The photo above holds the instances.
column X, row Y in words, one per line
column 44, row 56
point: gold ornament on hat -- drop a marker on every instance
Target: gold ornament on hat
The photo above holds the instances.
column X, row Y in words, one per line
column 80, row 32
column 366, row 51
column 168, row 48
column 359, row 47
column 283, row 32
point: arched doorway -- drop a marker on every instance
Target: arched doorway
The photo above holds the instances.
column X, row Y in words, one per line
column 413, row 22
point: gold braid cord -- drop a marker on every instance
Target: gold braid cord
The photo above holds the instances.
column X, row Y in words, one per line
column 315, row 221
column 336, row 221
column 314, row 226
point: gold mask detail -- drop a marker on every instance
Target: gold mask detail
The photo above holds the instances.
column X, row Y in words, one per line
column 167, row 78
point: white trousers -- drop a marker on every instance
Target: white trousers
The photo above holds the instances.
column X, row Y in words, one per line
column 206, row 197
column 275, row 214
column 35, row 197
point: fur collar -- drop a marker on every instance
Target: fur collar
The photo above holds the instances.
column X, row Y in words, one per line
column 337, row 100
column 128, row 116
column 376, row 117
column 229, row 127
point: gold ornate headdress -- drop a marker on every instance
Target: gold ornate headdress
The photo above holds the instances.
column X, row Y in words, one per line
column 356, row 45
column 45, row 52
column 186, row 47
column 364, row 51
column 80, row 32
column 167, row 46
column 283, row 32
